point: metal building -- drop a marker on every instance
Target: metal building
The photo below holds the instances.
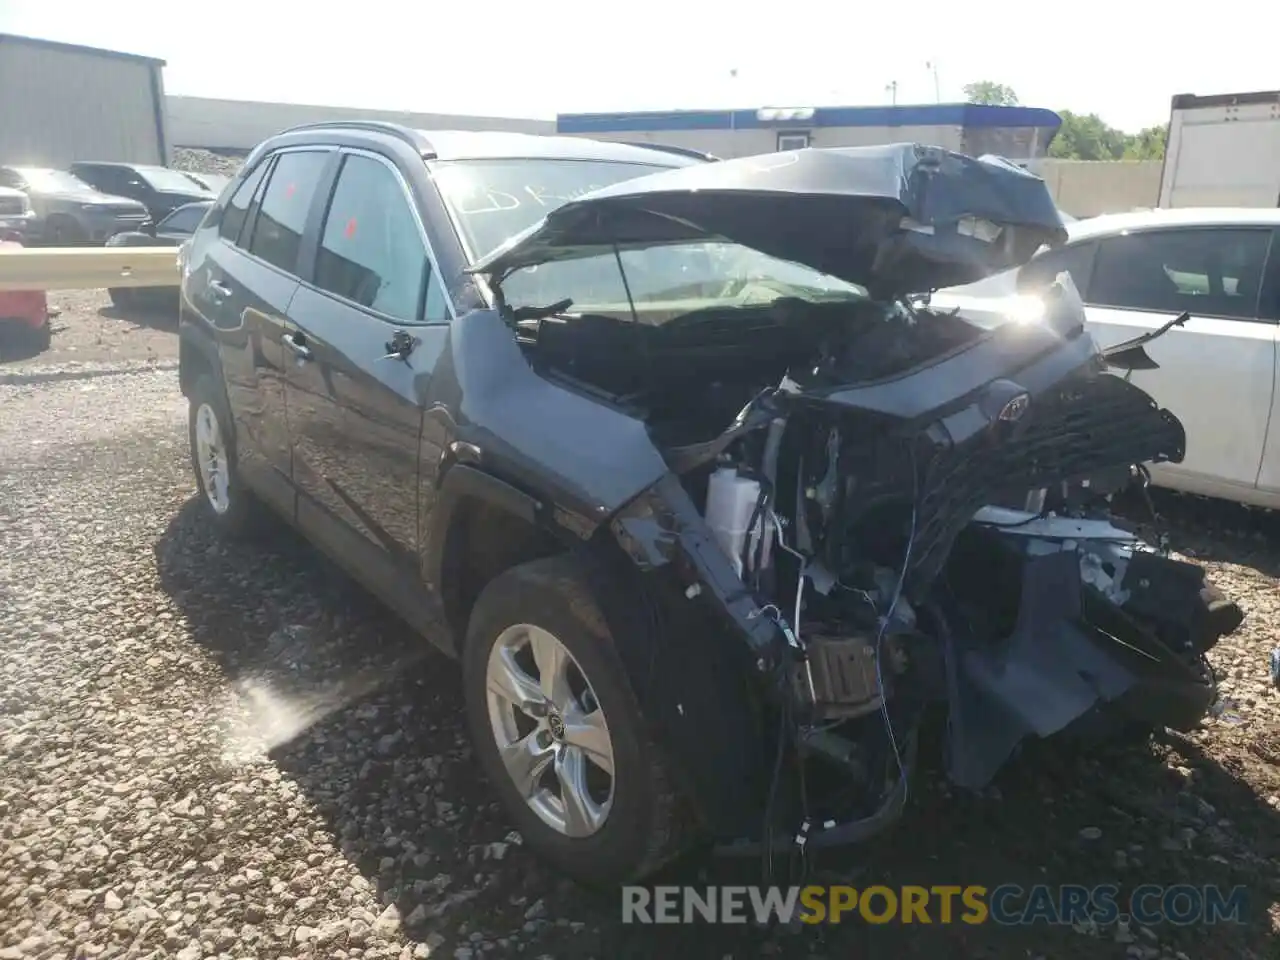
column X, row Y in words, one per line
column 60, row 103
column 240, row 125
column 1019, row 133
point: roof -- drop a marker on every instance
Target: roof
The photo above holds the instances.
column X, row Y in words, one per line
column 1189, row 101
column 496, row 144
column 926, row 115
column 492, row 144
column 76, row 48
column 1110, row 223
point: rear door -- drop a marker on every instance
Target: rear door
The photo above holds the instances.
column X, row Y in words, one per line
column 355, row 397
column 1217, row 373
column 245, row 286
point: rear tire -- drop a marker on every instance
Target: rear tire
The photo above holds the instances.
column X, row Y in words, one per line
column 641, row 827
column 224, row 499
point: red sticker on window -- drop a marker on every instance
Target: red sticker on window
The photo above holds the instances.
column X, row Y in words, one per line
column 351, row 228
column 288, row 191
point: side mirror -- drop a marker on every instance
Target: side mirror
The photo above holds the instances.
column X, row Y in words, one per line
column 149, row 227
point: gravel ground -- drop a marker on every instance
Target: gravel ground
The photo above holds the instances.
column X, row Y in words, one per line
column 210, row 749
column 90, row 334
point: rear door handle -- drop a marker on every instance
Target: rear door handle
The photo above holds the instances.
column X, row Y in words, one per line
column 220, row 290
column 293, row 342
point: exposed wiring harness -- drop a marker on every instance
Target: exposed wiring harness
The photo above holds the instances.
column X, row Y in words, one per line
column 888, row 618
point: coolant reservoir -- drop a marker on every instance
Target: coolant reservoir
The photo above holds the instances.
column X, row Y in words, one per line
column 731, row 501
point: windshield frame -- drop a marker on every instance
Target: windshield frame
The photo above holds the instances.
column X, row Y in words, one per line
column 637, row 305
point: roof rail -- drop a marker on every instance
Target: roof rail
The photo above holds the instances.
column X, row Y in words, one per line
column 678, row 151
column 398, row 130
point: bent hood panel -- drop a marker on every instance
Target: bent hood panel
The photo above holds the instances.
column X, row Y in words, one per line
column 900, row 218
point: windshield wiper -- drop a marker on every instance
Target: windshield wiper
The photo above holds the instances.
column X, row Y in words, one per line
column 541, row 313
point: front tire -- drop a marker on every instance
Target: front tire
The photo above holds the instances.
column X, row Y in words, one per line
column 572, row 762
column 226, row 502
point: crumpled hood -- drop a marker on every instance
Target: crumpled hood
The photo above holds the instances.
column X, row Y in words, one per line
column 896, row 219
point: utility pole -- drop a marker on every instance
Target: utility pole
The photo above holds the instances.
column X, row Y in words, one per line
column 891, row 88
column 932, row 67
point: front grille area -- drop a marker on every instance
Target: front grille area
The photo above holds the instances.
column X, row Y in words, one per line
column 1085, row 426
column 12, row 206
column 126, row 212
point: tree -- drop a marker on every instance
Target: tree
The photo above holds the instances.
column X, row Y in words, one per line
column 985, row 91
column 1081, row 136
column 1147, row 144
column 1089, row 137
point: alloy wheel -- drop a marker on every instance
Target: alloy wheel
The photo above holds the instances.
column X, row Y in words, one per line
column 550, row 730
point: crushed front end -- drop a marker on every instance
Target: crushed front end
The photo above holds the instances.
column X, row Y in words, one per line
column 893, row 546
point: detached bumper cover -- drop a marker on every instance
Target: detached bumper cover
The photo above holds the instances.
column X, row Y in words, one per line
column 1055, row 668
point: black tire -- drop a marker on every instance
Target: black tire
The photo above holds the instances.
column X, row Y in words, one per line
column 239, row 516
column 644, row 828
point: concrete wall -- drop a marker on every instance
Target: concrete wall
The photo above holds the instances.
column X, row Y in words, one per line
column 1087, row 188
column 243, row 124
column 60, row 103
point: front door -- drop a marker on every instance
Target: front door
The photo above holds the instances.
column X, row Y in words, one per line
column 369, row 328
column 1217, row 372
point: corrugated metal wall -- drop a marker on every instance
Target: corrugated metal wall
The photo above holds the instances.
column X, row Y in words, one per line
column 243, row 124
column 58, row 105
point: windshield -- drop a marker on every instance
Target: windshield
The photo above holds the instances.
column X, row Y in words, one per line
column 38, row 178
column 493, row 200
column 162, row 178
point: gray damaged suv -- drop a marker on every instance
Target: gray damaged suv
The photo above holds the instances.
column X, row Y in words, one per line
column 68, row 210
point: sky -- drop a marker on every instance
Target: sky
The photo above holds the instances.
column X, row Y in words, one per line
column 1120, row 60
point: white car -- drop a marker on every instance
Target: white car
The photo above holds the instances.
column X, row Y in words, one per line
column 1217, row 372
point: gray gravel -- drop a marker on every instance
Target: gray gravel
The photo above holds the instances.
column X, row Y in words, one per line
column 226, row 750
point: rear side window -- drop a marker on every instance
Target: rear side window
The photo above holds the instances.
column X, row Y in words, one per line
column 278, row 226
column 1076, row 260
column 237, row 208
column 371, row 250
column 1208, row 271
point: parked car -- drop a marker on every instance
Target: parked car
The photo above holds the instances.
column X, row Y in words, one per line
column 213, row 182
column 68, row 210
column 173, row 231
column 1217, row 371
column 16, row 216
column 708, row 511
column 159, row 189
column 24, row 314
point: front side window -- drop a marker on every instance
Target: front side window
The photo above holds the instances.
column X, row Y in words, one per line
column 278, row 226
column 371, row 249
column 184, row 219
column 1207, row 271
column 163, row 179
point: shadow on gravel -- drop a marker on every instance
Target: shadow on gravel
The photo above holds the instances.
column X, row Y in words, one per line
column 368, row 722
column 159, row 314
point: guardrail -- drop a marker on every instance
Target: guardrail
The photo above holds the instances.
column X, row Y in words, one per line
column 89, row 268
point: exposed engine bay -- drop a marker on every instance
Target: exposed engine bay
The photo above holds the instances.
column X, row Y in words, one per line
column 913, row 548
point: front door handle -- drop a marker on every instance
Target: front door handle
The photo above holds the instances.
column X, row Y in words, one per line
column 220, row 290
column 294, row 342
